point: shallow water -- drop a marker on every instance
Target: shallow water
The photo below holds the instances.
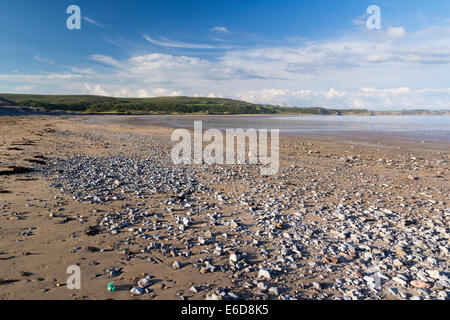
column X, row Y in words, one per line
column 428, row 128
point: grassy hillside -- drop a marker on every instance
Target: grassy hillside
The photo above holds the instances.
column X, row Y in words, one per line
column 160, row 105
column 179, row 105
column 100, row 104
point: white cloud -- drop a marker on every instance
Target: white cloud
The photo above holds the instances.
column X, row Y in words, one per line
column 39, row 78
column 106, row 60
column 371, row 98
column 24, row 88
column 85, row 71
column 96, row 90
column 92, row 21
column 142, row 93
column 159, row 92
column 174, row 44
column 219, row 29
column 44, row 60
column 399, row 32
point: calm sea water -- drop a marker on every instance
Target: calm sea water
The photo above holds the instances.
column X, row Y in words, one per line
column 429, row 128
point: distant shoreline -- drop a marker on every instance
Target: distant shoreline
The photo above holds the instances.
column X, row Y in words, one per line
column 28, row 111
column 102, row 105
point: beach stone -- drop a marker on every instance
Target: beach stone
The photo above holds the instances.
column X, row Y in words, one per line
column 264, row 274
column 193, row 289
column 137, row 291
column 435, row 274
column 400, row 281
column 420, row 284
column 233, row 296
column 144, row 283
column 274, row 291
column 397, row 263
column 262, row 286
column 234, row 225
column 234, row 258
column 213, row 297
column 317, row 286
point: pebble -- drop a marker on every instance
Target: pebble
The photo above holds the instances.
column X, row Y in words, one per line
column 400, row 281
column 420, row 284
column 137, row 291
column 274, row 291
column 144, row 283
column 264, row 274
column 317, row 286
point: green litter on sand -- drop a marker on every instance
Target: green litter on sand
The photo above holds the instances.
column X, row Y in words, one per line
column 111, row 287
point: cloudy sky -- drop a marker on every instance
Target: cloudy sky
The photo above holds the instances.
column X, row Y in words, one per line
column 300, row 53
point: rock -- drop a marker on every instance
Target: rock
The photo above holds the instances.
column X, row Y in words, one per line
column 397, row 263
column 264, row 274
column 114, row 272
column 435, row 274
column 317, row 286
column 330, row 260
column 193, row 289
column 400, row 281
column 277, row 225
column 208, row 234
column 274, row 291
column 233, row 296
column 261, row 286
column 207, row 268
column 234, row 225
column 369, row 279
column 144, row 283
column 137, row 291
column 213, row 296
column 420, row 284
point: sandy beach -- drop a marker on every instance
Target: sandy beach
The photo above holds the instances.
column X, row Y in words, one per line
column 360, row 218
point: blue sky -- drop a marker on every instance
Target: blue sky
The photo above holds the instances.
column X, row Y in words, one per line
column 303, row 53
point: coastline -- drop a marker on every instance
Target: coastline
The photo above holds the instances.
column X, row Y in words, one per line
column 379, row 139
